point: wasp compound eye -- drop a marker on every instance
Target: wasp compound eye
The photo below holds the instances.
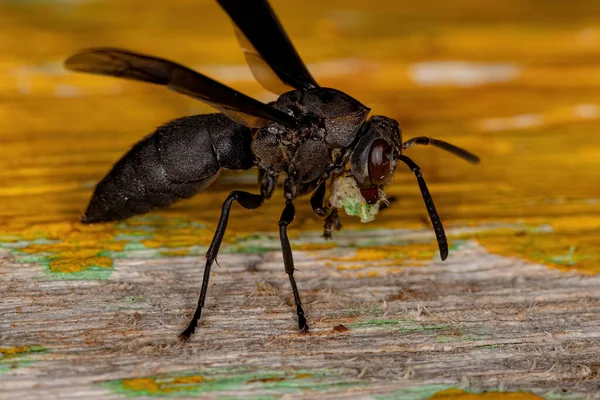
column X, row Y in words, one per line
column 380, row 165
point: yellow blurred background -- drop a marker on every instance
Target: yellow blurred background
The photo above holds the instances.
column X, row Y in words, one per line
column 516, row 82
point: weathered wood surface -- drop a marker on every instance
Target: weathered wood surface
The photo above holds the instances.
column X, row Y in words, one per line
column 93, row 311
column 502, row 323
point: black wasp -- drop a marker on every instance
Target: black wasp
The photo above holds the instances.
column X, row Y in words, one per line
column 310, row 134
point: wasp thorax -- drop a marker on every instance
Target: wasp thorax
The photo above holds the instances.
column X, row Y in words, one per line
column 310, row 161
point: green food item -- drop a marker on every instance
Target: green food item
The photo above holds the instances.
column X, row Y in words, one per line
column 361, row 209
column 346, row 195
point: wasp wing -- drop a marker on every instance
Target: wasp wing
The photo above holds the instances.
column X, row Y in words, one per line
column 269, row 52
column 129, row 65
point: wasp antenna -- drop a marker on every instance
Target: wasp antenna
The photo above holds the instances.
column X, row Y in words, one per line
column 433, row 214
column 440, row 144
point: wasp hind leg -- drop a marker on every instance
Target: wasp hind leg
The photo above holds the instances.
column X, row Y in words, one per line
column 246, row 200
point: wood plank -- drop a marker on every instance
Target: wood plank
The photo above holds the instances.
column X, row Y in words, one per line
column 94, row 311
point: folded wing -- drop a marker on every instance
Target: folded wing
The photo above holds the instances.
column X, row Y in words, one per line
column 129, row 65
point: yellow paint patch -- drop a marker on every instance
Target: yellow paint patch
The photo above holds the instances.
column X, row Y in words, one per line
column 188, row 379
column 368, row 274
column 175, row 253
column 162, row 385
column 372, row 262
column 344, row 267
column 13, row 351
column 171, row 236
column 457, row 394
column 414, row 251
column 141, row 384
column 74, row 264
column 315, row 246
column 572, row 245
column 575, row 252
column 304, row 376
column 75, row 247
column 366, row 254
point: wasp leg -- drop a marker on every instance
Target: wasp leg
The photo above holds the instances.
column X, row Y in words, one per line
column 332, row 221
column 246, row 200
column 267, row 181
column 317, row 199
column 287, row 216
column 388, row 203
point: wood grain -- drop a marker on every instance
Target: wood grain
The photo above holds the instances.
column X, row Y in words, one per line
column 478, row 325
column 93, row 311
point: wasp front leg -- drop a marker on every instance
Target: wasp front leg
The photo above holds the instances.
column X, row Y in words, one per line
column 332, row 219
column 331, row 222
column 317, row 199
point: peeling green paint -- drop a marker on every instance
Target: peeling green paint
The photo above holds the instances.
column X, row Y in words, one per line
column 91, row 273
column 18, row 357
column 564, row 395
column 267, row 384
column 423, row 328
column 493, row 346
column 399, row 325
column 376, row 322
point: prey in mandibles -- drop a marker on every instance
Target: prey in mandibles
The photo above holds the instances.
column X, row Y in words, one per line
column 320, row 139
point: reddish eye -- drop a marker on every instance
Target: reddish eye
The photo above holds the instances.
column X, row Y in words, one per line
column 380, row 166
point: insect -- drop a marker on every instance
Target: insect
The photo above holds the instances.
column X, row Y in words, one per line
column 315, row 137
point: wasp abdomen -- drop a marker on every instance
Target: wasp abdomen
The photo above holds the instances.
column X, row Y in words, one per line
column 180, row 159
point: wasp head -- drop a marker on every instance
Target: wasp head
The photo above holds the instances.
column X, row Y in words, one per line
column 374, row 157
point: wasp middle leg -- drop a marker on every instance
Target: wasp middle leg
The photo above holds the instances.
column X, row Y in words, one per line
column 287, row 216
